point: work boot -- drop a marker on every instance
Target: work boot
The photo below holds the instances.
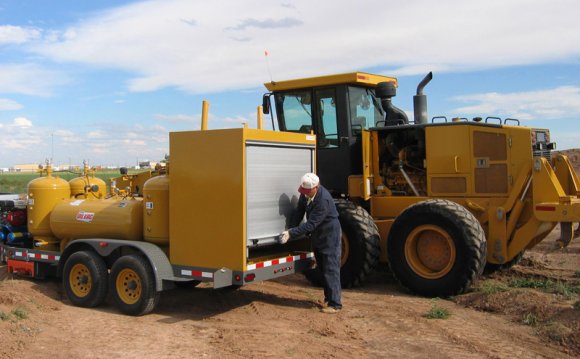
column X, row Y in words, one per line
column 330, row 310
column 322, row 303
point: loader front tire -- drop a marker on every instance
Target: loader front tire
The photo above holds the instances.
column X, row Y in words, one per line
column 132, row 284
column 360, row 246
column 85, row 279
column 436, row 248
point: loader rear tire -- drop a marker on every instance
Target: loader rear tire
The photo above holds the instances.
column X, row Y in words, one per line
column 85, row 279
column 360, row 246
column 436, row 248
column 133, row 285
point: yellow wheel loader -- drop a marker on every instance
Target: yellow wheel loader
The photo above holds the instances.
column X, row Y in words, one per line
column 438, row 199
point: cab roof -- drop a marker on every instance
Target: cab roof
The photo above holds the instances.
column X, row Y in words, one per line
column 359, row 78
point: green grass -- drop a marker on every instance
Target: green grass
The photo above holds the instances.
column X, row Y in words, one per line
column 20, row 313
column 17, row 182
column 547, row 285
column 577, row 304
column 437, row 312
column 4, row 316
column 530, row 319
column 492, row 287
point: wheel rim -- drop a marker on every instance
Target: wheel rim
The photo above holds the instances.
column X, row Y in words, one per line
column 345, row 249
column 80, row 280
column 430, row 251
column 128, row 285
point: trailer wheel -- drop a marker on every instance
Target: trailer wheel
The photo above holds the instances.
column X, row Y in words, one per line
column 436, row 248
column 85, row 279
column 360, row 246
column 132, row 284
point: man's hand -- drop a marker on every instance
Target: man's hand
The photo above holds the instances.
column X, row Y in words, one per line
column 284, row 237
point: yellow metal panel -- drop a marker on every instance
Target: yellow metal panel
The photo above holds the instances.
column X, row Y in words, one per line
column 492, row 165
column 496, row 235
column 448, row 185
column 384, row 226
column 207, row 194
column 448, row 149
column 366, row 154
column 520, row 138
column 355, row 186
column 386, row 207
column 279, row 137
column 566, row 175
column 359, row 78
column 206, row 199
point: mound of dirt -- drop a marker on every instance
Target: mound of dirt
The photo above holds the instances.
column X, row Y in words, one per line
column 542, row 292
column 573, row 156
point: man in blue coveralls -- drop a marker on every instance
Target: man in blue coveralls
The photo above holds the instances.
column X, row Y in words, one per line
column 323, row 225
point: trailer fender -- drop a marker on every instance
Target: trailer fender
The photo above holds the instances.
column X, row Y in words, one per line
column 105, row 247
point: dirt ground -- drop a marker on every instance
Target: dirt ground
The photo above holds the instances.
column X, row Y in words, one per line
column 280, row 319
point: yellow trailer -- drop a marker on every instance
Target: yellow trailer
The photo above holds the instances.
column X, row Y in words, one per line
column 215, row 216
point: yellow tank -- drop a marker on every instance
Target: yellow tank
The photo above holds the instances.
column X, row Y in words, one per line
column 44, row 193
column 108, row 218
column 156, row 210
column 80, row 187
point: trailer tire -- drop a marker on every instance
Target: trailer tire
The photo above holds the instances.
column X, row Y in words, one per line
column 132, row 284
column 360, row 246
column 85, row 279
column 436, row 248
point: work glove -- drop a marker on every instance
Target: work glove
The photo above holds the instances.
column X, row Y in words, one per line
column 284, row 237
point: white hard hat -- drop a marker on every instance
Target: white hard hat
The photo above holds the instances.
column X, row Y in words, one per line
column 308, row 182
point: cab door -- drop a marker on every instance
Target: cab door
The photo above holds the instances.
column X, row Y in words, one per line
column 333, row 146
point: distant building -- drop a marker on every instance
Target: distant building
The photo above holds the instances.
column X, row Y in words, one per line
column 147, row 164
column 24, row 168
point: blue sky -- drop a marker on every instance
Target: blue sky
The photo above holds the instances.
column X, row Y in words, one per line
column 107, row 80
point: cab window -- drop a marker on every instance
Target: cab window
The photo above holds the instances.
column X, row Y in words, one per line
column 365, row 109
column 295, row 111
column 327, row 133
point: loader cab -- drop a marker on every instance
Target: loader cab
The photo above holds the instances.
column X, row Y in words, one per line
column 334, row 108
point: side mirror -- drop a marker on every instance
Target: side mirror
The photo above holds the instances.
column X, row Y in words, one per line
column 266, row 104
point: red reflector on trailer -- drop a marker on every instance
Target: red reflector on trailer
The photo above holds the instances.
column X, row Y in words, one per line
column 103, row 244
column 237, row 277
column 545, row 208
column 249, row 277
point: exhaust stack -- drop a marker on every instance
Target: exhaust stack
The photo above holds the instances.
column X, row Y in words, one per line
column 420, row 101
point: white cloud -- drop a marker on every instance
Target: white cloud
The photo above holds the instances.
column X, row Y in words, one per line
column 22, row 142
column 179, row 118
column 19, row 135
column 29, row 79
column 236, row 119
column 17, row 35
column 561, row 102
column 22, row 122
column 9, row 105
column 187, row 45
